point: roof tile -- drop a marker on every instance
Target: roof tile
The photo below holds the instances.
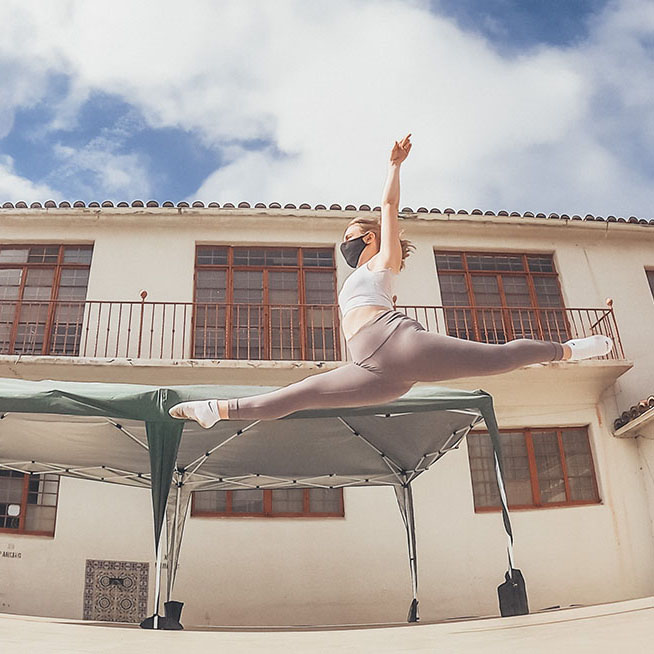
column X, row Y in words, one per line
column 198, row 204
column 633, row 412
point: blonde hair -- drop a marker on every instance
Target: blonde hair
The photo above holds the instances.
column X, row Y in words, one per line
column 374, row 225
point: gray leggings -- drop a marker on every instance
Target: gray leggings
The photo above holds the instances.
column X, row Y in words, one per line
column 390, row 353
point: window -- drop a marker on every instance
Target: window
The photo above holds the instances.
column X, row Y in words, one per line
column 650, row 279
column 28, row 503
column 542, row 467
column 292, row 502
column 500, row 297
column 42, row 298
column 265, row 303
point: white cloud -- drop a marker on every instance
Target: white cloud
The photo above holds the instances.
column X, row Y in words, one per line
column 14, row 188
column 98, row 165
column 332, row 85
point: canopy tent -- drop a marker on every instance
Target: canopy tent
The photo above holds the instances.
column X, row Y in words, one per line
column 122, row 433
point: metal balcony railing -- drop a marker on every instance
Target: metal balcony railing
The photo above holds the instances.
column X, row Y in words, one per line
column 309, row 332
column 493, row 324
column 170, row 330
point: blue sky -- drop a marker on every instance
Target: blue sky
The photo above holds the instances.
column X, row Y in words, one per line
column 515, row 24
column 176, row 160
column 513, row 104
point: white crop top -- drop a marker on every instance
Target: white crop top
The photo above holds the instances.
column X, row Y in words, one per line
column 365, row 286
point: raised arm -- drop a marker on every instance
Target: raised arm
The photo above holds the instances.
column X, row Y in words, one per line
column 390, row 250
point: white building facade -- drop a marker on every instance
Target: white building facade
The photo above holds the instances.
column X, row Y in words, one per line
column 243, row 295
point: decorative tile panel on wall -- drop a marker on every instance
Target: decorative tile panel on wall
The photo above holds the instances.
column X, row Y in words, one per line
column 116, row 591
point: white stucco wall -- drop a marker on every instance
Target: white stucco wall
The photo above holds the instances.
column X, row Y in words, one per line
column 303, row 571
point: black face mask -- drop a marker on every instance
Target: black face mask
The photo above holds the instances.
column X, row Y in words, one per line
column 352, row 249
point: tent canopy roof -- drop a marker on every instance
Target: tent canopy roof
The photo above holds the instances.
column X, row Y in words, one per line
column 98, row 431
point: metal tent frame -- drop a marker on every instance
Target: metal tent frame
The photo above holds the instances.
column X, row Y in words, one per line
column 163, row 461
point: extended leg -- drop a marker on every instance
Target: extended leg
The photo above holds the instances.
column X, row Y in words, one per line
column 349, row 385
column 426, row 356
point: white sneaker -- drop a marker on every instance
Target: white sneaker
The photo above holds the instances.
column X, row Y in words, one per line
column 592, row 346
column 204, row 412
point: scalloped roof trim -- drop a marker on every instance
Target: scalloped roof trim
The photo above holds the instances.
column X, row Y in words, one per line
column 197, row 204
column 633, row 412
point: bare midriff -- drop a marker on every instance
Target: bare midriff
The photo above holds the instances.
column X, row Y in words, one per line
column 355, row 318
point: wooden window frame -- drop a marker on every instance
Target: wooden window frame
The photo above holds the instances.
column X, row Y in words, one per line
column 230, row 268
column 504, row 307
column 649, row 275
column 21, row 531
column 58, row 266
column 533, row 471
column 267, row 508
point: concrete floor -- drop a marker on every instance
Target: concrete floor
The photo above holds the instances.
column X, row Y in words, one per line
column 624, row 627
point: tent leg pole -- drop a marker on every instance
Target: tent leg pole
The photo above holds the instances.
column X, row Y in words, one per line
column 493, row 430
column 157, row 587
column 505, row 508
column 404, row 496
column 413, row 555
column 172, row 559
column 512, row 594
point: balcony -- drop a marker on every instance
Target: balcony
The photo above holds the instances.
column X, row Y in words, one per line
column 300, row 332
column 170, row 330
column 198, row 336
column 502, row 324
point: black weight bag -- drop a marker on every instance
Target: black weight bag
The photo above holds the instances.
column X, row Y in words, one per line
column 512, row 594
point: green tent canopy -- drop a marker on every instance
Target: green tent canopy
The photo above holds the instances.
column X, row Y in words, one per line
column 122, row 433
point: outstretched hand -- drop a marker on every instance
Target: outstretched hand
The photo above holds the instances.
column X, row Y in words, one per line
column 401, row 150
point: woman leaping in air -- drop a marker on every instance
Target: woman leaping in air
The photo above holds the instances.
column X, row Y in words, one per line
column 390, row 351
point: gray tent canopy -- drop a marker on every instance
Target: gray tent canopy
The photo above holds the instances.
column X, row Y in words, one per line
column 122, row 433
